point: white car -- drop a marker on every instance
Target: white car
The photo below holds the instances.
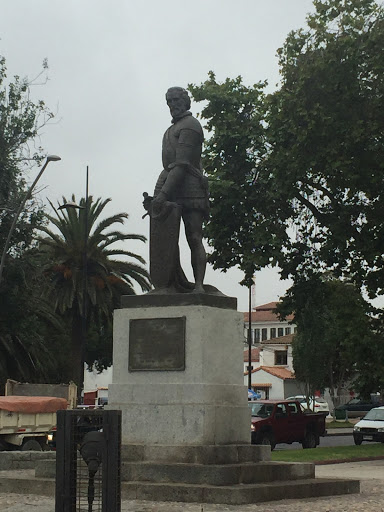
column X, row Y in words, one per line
column 320, row 405
column 371, row 427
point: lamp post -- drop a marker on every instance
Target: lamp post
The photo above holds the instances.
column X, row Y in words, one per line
column 250, row 337
column 50, row 158
column 67, row 206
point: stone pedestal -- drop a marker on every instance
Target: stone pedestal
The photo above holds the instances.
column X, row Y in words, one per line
column 178, row 371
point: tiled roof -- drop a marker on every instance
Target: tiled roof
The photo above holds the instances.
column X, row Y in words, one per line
column 265, row 313
column 255, row 355
column 281, row 340
column 266, row 307
column 277, row 371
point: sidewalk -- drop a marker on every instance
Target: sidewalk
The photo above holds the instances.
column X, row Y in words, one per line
column 371, row 498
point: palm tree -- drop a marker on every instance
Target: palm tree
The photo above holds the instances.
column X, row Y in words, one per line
column 82, row 248
column 26, row 322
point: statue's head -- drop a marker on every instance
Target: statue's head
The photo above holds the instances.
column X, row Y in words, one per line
column 178, row 101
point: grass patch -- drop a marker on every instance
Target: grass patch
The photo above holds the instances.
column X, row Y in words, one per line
column 344, row 453
column 339, row 424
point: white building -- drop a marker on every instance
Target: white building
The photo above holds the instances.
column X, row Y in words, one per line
column 273, row 373
column 277, row 352
column 266, row 325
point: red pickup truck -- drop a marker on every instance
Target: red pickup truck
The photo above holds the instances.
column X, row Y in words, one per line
column 283, row 421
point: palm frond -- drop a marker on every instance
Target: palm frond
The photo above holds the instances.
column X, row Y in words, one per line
column 117, row 237
column 67, row 248
column 121, row 252
column 114, row 219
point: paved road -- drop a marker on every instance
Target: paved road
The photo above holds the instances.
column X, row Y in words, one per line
column 345, row 440
column 371, row 499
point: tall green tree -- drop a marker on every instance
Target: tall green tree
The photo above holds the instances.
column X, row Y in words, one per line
column 24, row 317
column 75, row 243
column 315, row 146
column 24, row 320
column 370, row 359
column 20, row 121
column 334, row 333
column 325, row 126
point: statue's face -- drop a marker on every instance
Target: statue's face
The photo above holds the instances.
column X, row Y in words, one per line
column 176, row 103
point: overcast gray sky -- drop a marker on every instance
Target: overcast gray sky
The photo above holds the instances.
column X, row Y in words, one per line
column 110, row 64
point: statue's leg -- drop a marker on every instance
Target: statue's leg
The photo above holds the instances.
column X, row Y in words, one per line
column 193, row 222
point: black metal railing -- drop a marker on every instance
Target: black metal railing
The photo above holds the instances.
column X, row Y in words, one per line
column 88, row 448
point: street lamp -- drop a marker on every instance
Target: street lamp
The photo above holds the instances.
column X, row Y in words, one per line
column 50, row 158
column 68, row 206
column 250, row 336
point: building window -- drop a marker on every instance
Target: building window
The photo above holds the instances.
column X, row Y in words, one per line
column 273, row 332
column 287, row 330
column 281, row 357
column 280, row 332
column 257, row 335
column 264, row 334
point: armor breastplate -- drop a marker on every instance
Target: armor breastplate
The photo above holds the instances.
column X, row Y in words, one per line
column 186, row 152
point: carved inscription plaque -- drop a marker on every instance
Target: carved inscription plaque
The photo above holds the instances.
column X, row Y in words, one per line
column 157, row 344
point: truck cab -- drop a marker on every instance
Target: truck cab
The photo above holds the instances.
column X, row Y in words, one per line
column 283, row 421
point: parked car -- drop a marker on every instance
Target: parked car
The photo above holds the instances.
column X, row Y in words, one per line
column 371, row 427
column 315, row 405
column 357, row 408
column 284, row 421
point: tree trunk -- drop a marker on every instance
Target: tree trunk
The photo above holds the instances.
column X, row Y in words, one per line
column 76, row 369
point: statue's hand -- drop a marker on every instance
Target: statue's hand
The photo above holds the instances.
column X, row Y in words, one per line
column 147, row 201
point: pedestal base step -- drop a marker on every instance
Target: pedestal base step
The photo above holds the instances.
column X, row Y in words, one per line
column 238, row 494
column 215, row 474
column 23, row 482
column 200, row 474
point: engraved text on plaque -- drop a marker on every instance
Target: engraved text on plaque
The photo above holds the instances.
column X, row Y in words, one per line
column 157, row 344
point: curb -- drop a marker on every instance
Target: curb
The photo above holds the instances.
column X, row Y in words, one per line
column 346, row 461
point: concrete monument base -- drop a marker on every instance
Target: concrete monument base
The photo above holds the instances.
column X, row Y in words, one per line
column 178, row 372
column 178, row 379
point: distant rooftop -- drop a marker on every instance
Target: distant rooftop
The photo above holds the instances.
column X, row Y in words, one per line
column 277, row 371
column 266, row 307
column 255, row 354
column 265, row 313
column 281, row 340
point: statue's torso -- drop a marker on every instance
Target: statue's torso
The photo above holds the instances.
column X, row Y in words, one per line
column 182, row 144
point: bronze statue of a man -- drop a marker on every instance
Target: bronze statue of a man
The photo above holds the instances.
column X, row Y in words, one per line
column 181, row 191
